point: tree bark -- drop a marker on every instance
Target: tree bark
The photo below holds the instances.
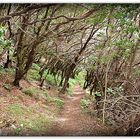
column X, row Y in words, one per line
column 18, row 77
column 6, row 65
column 65, row 85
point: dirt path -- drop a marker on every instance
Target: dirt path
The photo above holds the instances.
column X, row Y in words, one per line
column 71, row 121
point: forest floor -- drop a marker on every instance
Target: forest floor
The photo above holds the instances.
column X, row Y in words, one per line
column 44, row 112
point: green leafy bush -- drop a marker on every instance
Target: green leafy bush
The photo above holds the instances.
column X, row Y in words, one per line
column 84, row 103
column 115, row 90
column 29, row 91
column 33, row 75
column 35, row 66
column 38, row 124
column 50, row 79
column 7, row 86
column 4, row 43
column 98, row 94
column 58, row 102
column 9, row 71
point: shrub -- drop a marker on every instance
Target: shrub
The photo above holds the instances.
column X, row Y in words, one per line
column 15, row 109
column 29, row 91
column 58, row 102
column 35, row 66
column 9, row 71
column 33, row 75
column 84, row 103
column 7, row 86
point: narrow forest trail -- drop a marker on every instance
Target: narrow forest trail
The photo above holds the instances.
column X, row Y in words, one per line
column 71, row 121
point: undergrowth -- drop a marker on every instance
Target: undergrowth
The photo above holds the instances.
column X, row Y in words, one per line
column 27, row 118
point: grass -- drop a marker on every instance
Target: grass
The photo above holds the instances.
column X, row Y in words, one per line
column 33, row 75
column 9, row 71
column 34, row 119
column 40, row 94
column 58, row 102
column 32, row 91
column 50, row 78
column 28, row 119
column 84, row 103
column 15, row 109
column 37, row 124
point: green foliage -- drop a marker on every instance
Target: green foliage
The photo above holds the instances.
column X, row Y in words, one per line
column 35, row 66
column 119, row 15
column 98, row 94
column 33, row 75
column 46, row 94
column 72, row 82
column 37, row 124
column 100, row 17
column 124, row 43
column 29, row 91
column 50, row 79
column 26, row 118
column 137, row 72
column 69, row 91
column 35, row 92
column 84, row 103
column 110, row 90
column 119, row 89
column 2, row 30
column 58, row 102
column 115, row 90
column 4, row 43
column 7, row 87
column 15, row 109
column 17, row 130
column 9, row 71
column 79, row 79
